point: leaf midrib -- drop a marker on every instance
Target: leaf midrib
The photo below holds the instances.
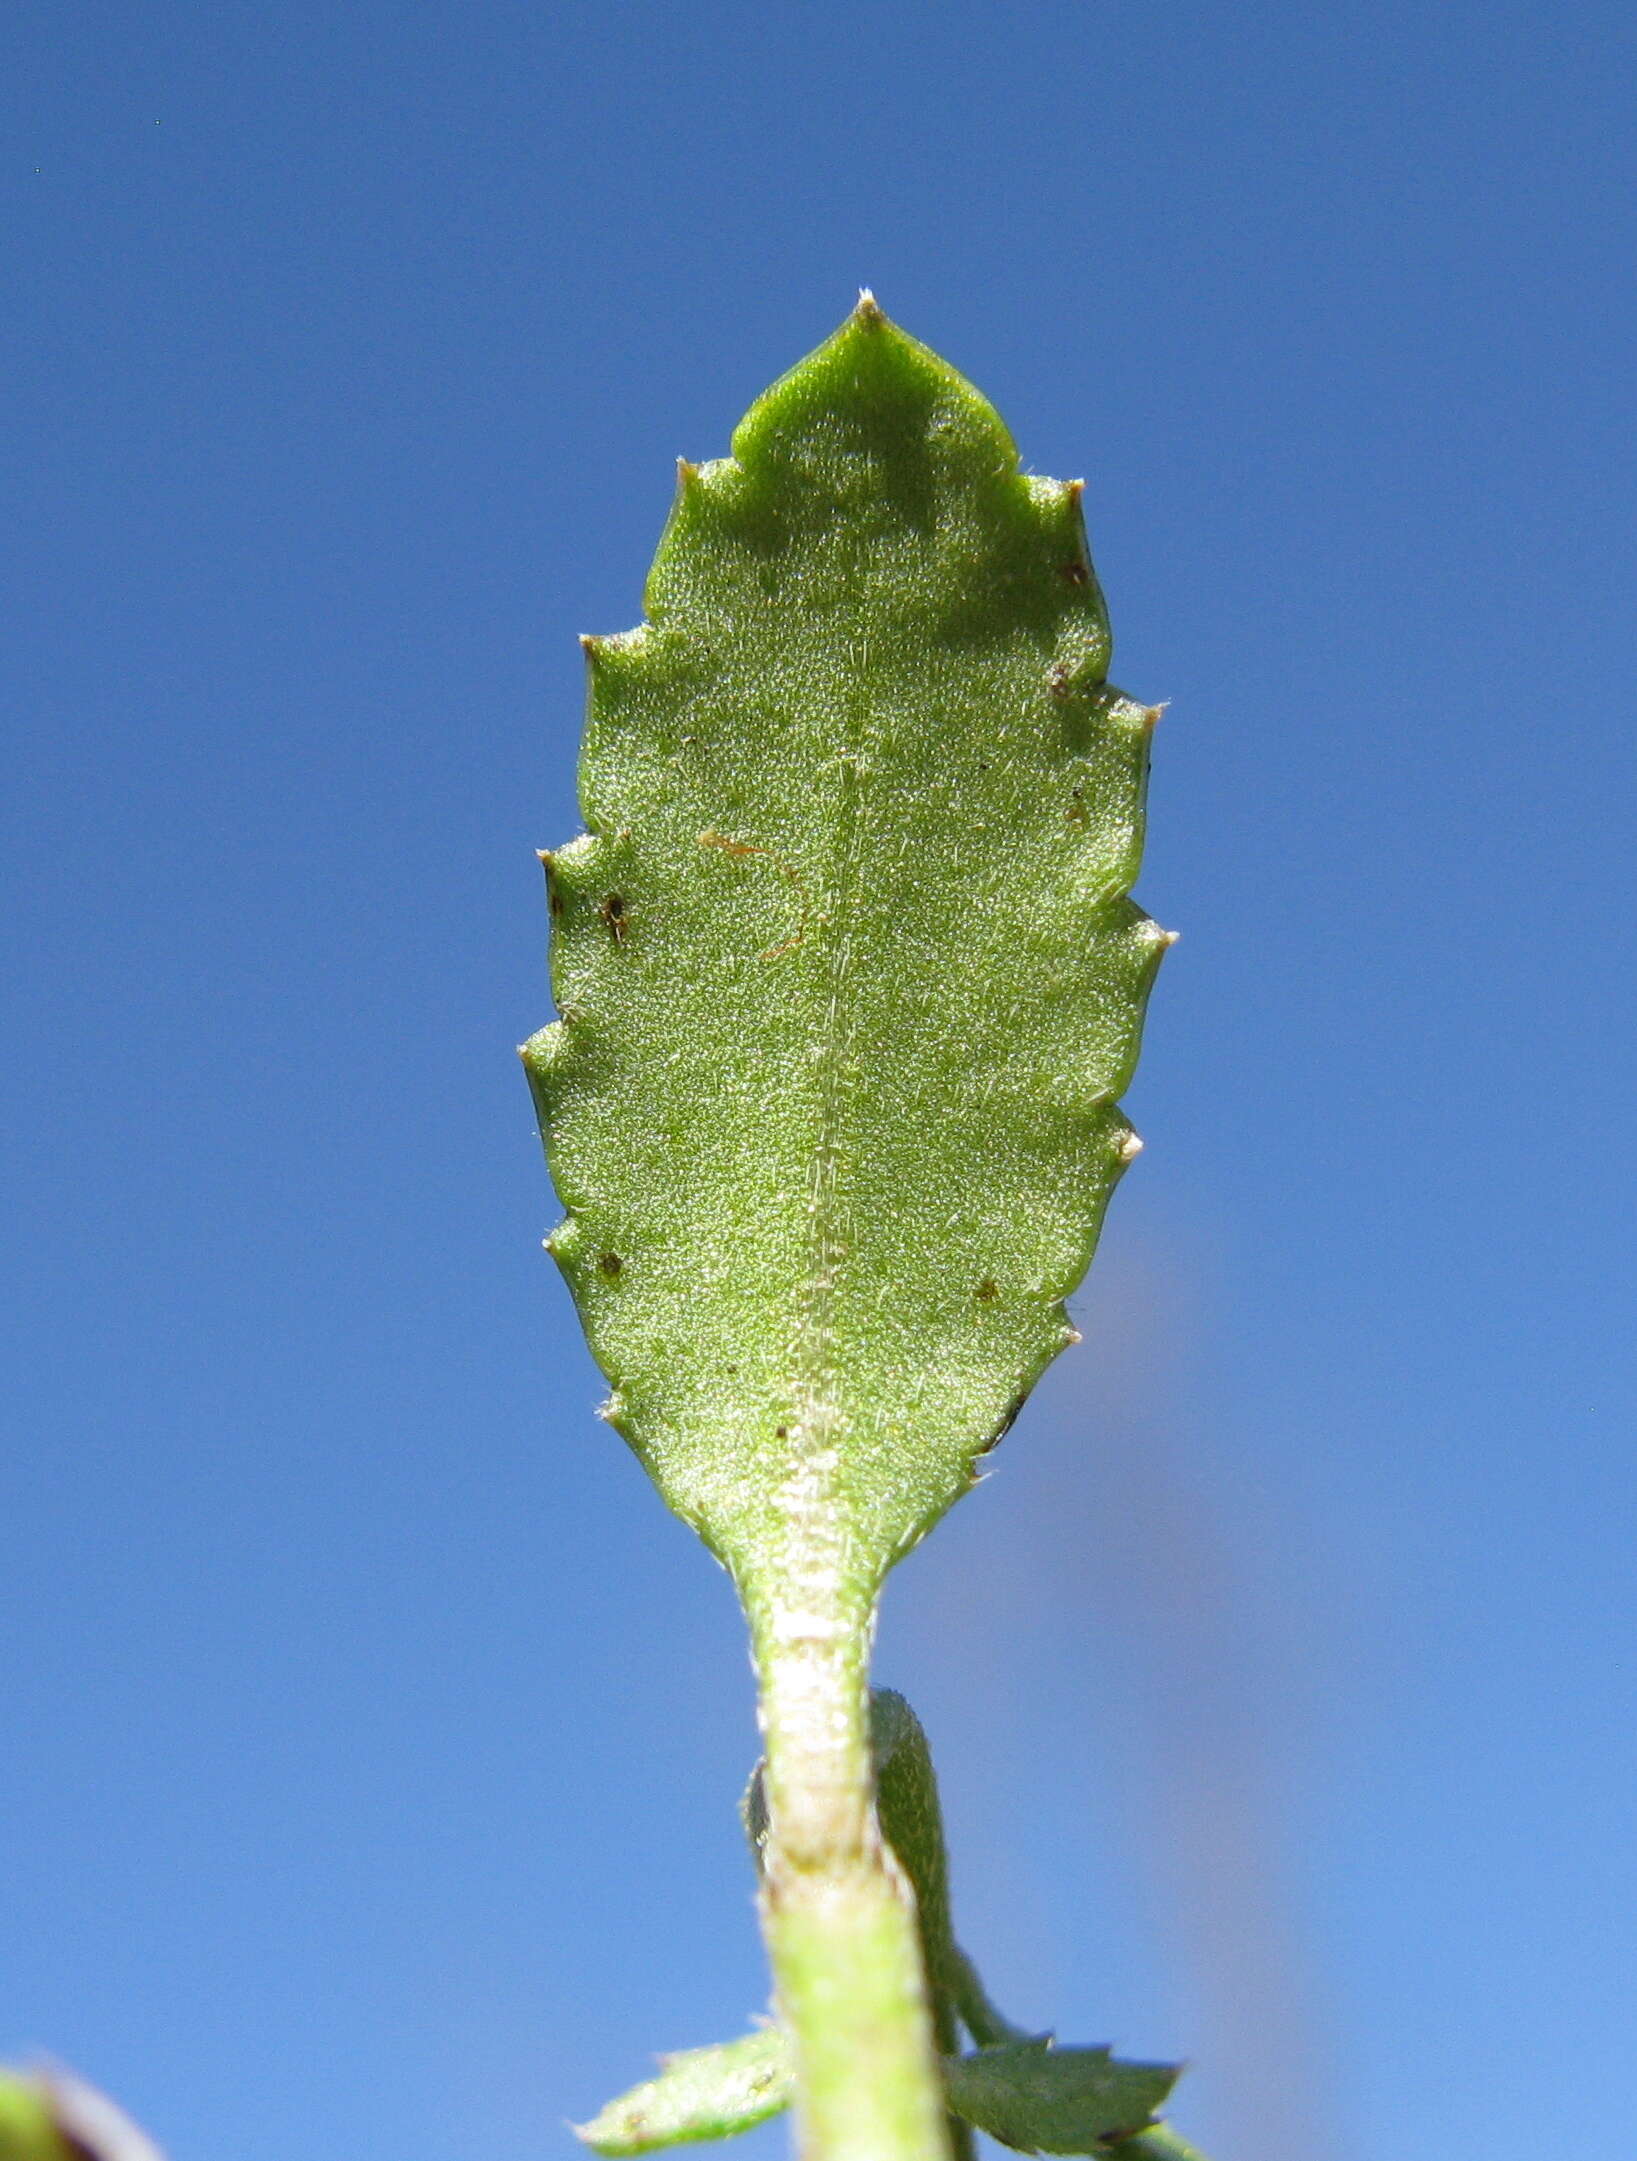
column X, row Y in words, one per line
column 810, row 1496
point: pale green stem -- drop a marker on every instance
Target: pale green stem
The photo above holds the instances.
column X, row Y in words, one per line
column 838, row 1912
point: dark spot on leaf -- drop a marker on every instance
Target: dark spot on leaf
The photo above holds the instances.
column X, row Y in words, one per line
column 1059, row 678
column 610, row 1264
column 613, row 914
column 781, row 1433
column 988, row 1289
column 1076, row 574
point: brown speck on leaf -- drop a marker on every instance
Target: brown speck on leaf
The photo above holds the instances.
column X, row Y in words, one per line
column 781, row 1433
column 988, row 1289
column 1059, row 676
column 1076, row 574
column 613, row 914
column 610, row 1264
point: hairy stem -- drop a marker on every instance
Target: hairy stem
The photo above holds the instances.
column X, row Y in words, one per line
column 838, row 1912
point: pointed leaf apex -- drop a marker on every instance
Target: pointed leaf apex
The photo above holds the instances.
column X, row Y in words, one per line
column 869, row 309
column 871, row 401
column 687, row 472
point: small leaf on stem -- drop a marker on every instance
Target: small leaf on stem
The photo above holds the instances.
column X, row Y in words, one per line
column 700, row 2094
column 1056, row 2100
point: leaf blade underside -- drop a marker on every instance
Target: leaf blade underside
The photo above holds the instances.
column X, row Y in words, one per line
column 848, row 975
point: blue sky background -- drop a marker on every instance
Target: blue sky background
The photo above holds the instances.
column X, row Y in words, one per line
column 372, row 1736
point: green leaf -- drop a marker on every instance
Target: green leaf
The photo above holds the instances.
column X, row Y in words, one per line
column 28, row 2123
column 848, row 979
column 58, row 2117
column 704, row 2093
column 1158, row 2143
column 1056, row 2100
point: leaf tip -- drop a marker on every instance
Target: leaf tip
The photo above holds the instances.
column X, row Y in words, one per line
column 1131, row 1147
column 687, row 472
column 869, row 309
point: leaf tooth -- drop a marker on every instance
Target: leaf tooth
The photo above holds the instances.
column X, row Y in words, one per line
column 577, row 866
column 544, row 1057
column 562, row 1238
column 868, row 309
column 610, row 653
column 544, row 1047
column 1057, row 502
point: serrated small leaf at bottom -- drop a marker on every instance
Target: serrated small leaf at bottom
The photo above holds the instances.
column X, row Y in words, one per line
column 1056, row 2100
